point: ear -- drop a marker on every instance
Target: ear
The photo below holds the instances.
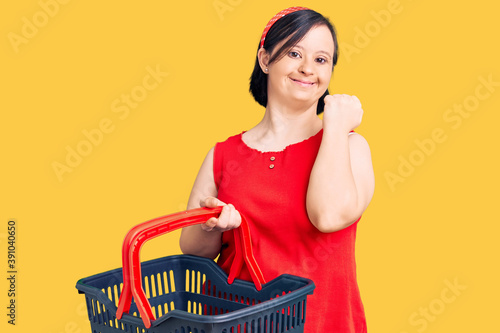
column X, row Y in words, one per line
column 263, row 57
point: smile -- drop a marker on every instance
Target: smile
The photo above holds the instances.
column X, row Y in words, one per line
column 303, row 83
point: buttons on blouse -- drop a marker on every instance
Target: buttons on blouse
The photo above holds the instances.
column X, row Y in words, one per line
column 271, row 166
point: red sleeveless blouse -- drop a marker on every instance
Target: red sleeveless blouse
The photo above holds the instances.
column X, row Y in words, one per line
column 269, row 189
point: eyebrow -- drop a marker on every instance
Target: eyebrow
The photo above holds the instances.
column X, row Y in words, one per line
column 320, row 51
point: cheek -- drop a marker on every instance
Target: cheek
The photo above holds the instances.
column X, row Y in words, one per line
column 325, row 76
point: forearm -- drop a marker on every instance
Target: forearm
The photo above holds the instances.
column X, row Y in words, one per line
column 332, row 197
column 196, row 241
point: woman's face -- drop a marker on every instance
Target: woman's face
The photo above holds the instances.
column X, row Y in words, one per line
column 303, row 74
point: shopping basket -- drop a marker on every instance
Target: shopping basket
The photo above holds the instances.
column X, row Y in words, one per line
column 189, row 293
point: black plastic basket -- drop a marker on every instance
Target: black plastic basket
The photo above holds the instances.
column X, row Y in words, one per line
column 190, row 294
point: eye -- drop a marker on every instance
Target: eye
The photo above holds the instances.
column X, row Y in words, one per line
column 321, row 60
column 294, row 54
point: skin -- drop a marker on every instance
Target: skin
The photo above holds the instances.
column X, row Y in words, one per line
column 341, row 183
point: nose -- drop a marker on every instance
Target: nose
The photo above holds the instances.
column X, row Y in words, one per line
column 306, row 67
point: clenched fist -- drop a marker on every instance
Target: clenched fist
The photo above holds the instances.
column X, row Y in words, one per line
column 342, row 113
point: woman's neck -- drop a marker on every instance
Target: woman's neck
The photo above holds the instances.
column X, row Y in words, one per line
column 282, row 126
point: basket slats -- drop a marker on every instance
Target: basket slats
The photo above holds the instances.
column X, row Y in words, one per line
column 191, row 294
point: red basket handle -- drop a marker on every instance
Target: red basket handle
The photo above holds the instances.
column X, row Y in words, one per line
column 138, row 235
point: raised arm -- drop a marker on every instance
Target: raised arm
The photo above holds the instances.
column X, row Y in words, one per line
column 342, row 183
column 206, row 239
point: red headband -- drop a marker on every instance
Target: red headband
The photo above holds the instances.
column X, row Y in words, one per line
column 276, row 18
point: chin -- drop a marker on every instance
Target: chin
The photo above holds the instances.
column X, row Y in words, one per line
column 304, row 98
column 305, row 102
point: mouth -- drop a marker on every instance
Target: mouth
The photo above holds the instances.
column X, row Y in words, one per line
column 303, row 83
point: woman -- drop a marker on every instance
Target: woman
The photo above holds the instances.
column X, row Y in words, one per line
column 301, row 182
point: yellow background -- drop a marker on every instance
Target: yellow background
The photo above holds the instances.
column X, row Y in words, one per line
column 439, row 225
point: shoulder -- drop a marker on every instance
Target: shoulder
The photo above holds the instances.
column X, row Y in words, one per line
column 231, row 143
column 232, row 138
column 226, row 147
column 361, row 159
column 360, row 154
column 358, row 142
